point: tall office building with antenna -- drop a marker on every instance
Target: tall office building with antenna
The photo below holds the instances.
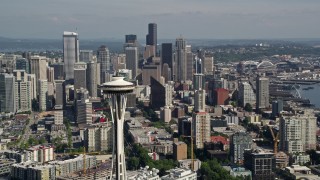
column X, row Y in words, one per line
column 70, row 53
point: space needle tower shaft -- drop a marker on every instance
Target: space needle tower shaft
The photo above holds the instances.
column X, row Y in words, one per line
column 118, row 88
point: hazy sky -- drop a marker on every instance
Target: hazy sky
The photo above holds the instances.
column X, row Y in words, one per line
column 213, row 19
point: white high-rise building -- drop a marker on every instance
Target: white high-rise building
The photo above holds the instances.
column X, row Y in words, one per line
column 132, row 60
column 38, row 66
column 33, row 81
column 168, row 95
column 246, row 94
column 180, row 71
column 98, row 137
column 200, row 101
column 23, row 91
column 208, row 65
column 58, row 117
column 93, row 77
column 103, row 57
column 201, row 128
column 70, row 53
column 298, row 132
column 7, row 93
column 43, row 94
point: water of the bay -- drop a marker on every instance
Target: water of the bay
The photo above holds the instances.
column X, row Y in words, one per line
column 311, row 92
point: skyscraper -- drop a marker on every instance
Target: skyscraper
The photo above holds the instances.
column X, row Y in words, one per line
column 23, row 64
column 200, row 100
column 98, row 137
column 151, row 38
column 238, row 143
column 60, row 96
column 208, row 65
column 148, row 70
column 93, row 74
column 200, row 61
column 166, row 72
column 43, row 94
column 131, row 38
column 167, row 54
column 38, row 66
column 246, row 94
column 70, row 53
column 277, row 107
column 80, row 80
column 161, row 95
column 118, row 88
column 262, row 92
column 261, row 164
column 86, row 56
column 84, row 111
column 23, row 91
column 58, row 70
column 298, row 132
column 189, row 62
column 103, row 57
column 132, row 60
column 201, row 128
column 180, row 70
column 198, row 82
column 7, row 94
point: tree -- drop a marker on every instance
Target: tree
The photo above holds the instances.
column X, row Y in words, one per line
column 248, row 107
column 133, row 163
column 213, row 170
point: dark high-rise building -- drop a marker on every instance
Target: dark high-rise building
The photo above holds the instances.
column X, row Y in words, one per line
column 26, row 55
column 7, row 93
column 277, row 107
column 151, row 38
column 166, row 54
column 198, row 81
column 200, row 62
column 58, row 70
column 86, row 55
column 131, row 38
column 158, row 94
column 261, row 164
column 23, row 64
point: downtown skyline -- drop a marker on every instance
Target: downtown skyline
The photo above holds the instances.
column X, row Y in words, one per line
column 203, row 19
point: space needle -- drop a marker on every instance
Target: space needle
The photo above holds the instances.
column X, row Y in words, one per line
column 118, row 88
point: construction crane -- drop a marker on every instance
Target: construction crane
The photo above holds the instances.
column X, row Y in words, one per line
column 275, row 140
